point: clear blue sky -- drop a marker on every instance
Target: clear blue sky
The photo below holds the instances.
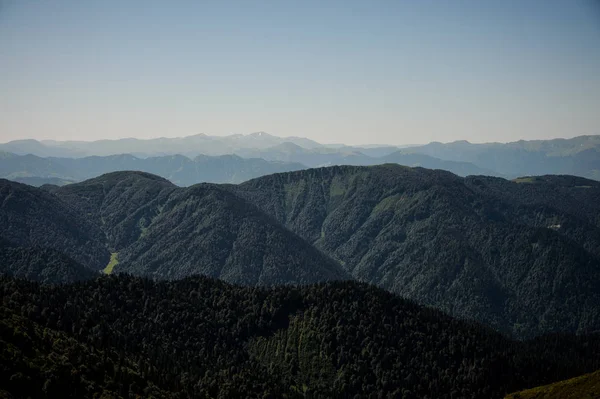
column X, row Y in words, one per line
column 335, row 71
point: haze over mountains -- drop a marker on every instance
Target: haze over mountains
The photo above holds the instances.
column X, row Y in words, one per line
column 299, row 264
column 183, row 171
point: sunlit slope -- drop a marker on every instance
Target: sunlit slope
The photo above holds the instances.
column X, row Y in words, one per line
column 584, row 387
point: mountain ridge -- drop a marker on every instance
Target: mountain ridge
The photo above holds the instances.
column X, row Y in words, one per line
column 575, row 156
column 465, row 245
column 520, row 256
column 152, row 224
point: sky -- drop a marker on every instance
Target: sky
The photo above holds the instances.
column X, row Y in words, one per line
column 354, row 72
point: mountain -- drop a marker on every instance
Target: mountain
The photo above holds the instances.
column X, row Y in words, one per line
column 13, row 166
column 579, row 156
column 290, row 152
column 197, row 337
column 41, row 264
column 426, row 161
column 583, row 387
column 520, row 256
column 42, row 181
column 523, row 257
column 31, row 217
column 34, row 147
column 190, row 146
column 184, row 171
column 180, row 170
column 163, row 231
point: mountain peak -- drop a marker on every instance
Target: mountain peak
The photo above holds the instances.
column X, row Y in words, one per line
column 260, row 134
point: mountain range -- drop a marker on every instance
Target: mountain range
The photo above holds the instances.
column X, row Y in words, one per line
column 520, row 256
column 237, row 158
column 183, row 171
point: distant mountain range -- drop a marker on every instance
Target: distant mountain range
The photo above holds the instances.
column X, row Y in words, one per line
column 579, row 156
column 190, row 146
column 521, row 256
column 183, row 171
column 203, row 158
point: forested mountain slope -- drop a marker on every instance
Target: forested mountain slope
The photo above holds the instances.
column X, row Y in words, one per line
column 30, row 217
column 41, row 264
column 199, row 337
column 522, row 257
column 121, row 204
column 163, row 231
column 38, row 362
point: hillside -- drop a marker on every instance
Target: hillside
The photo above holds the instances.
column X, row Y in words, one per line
column 38, row 362
column 31, row 217
column 119, row 203
column 200, row 337
column 163, row 231
column 520, row 257
column 41, row 264
column 583, row 387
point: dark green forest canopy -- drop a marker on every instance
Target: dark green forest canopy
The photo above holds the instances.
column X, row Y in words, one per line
column 200, row 337
column 31, row 217
column 163, row 231
column 520, row 256
column 41, row 264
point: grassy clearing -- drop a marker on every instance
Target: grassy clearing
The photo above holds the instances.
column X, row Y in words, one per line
column 524, row 180
column 584, row 387
column 113, row 262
